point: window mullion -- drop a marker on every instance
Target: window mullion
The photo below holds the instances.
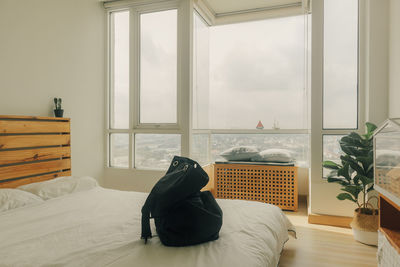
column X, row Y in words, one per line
column 135, row 71
column 110, row 117
column 134, row 83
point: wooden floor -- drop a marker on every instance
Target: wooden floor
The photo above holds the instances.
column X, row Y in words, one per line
column 323, row 246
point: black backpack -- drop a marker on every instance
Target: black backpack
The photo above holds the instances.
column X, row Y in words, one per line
column 182, row 214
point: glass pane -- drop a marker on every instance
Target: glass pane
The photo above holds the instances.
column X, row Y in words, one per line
column 387, row 159
column 340, row 64
column 297, row 144
column 200, row 151
column 119, row 150
column 331, row 150
column 155, row 151
column 120, row 71
column 257, row 74
column 158, row 67
column 201, row 74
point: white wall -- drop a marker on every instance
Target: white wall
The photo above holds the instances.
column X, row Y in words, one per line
column 376, row 60
column 394, row 59
column 54, row 48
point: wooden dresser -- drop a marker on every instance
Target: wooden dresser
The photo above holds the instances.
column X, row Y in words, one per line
column 266, row 183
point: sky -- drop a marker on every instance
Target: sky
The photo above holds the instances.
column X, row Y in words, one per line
column 244, row 72
column 257, row 73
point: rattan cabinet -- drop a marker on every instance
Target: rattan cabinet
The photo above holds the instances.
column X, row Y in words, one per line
column 271, row 184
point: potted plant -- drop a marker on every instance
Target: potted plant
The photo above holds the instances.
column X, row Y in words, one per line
column 355, row 174
column 58, row 111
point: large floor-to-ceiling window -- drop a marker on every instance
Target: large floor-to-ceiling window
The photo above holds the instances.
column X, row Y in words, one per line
column 180, row 84
column 144, row 129
column 250, row 86
column 338, row 100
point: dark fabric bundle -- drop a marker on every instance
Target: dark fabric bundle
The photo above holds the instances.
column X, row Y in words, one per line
column 182, row 214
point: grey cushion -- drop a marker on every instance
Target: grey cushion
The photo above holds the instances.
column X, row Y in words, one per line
column 273, row 155
column 240, row 153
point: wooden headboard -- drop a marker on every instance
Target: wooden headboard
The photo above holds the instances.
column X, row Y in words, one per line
column 33, row 149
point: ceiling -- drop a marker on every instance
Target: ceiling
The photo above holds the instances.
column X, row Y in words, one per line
column 220, row 7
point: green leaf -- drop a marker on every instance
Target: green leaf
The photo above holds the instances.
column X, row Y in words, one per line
column 370, row 173
column 366, row 162
column 343, row 196
column 356, row 180
column 370, row 128
column 371, row 167
column 366, row 180
column 355, row 136
column 331, row 165
column 353, row 189
column 344, row 172
column 333, row 174
column 351, row 150
column 352, row 139
column 353, row 164
column 338, row 180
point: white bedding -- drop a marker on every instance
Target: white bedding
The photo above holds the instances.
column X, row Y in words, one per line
column 101, row 227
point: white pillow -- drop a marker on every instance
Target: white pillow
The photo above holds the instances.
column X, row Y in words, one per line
column 14, row 198
column 240, row 153
column 274, row 155
column 60, row 186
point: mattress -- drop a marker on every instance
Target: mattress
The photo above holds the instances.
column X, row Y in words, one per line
column 101, row 227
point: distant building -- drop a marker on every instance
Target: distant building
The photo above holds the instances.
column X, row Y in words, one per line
column 260, row 126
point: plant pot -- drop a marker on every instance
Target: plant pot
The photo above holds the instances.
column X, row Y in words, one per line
column 365, row 227
column 58, row 113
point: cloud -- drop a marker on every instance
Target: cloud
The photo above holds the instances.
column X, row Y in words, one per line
column 257, row 73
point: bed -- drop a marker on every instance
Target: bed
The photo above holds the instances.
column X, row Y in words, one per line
column 101, row 227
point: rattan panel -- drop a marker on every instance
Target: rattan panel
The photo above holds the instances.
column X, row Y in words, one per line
column 271, row 184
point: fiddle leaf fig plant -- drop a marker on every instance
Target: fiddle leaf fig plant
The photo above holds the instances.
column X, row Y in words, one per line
column 355, row 172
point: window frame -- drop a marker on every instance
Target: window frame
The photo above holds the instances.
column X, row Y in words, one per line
column 360, row 93
column 203, row 12
column 321, row 189
column 135, row 127
column 136, row 62
column 359, row 102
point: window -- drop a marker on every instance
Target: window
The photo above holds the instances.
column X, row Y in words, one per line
column 340, row 64
column 155, row 151
column 336, row 46
column 119, row 118
column 331, row 149
column 119, row 150
column 340, row 75
column 249, row 87
column 254, row 72
column 143, row 130
column 201, row 73
column 158, row 67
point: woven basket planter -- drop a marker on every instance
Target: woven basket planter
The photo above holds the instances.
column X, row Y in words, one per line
column 365, row 227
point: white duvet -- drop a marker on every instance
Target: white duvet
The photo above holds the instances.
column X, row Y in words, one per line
column 101, row 227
